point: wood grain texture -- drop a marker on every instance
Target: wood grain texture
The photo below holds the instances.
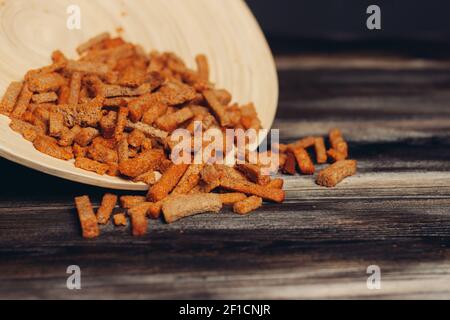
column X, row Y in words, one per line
column 395, row 213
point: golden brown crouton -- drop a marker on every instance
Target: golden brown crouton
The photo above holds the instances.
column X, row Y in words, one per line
column 202, row 67
column 136, row 138
column 303, row 160
column 101, row 153
column 170, row 122
column 49, row 146
column 336, row 155
column 27, row 130
column 106, row 208
column 139, row 221
column 87, row 217
column 217, row 108
column 10, row 97
column 108, row 124
column 23, row 102
column 85, row 136
column 167, row 183
column 338, row 143
column 128, row 202
column 181, row 206
column 275, row 195
column 148, row 178
column 121, row 123
column 253, row 173
column 337, row 172
column 56, row 124
column 321, row 151
column 143, row 163
column 75, row 87
column 46, row 82
column 86, row 46
column 189, row 180
column 120, row 220
column 44, row 97
column 247, row 205
column 91, row 165
column 231, row 198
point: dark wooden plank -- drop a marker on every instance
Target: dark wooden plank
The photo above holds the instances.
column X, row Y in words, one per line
column 306, row 250
column 340, row 218
column 251, row 268
column 304, row 246
column 395, row 213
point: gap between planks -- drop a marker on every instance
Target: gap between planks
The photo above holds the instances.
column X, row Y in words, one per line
column 340, row 61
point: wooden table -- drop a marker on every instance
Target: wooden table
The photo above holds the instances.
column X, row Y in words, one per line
column 394, row 214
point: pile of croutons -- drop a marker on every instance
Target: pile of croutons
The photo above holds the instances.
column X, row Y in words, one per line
column 114, row 111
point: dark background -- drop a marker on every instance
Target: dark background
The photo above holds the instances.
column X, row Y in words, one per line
column 413, row 26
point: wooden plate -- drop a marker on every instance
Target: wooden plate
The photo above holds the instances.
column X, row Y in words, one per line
column 225, row 31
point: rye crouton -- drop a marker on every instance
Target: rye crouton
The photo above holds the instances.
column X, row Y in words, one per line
column 143, row 163
column 321, row 151
column 106, row 208
column 46, row 82
column 23, row 102
column 182, row 206
column 120, row 220
column 10, row 97
column 334, row 174
column 167, row 183
column 338, row 143
column 108, row 124
column 27, row 130
column 49, row 146
column 56, row 124
column 44, row 97
column 275, row 195
column 85, row 136
column 91, row 165
column 247, row 205
column 139, row 221
column 87, row 217
column 128, row 202
column 228, row 199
